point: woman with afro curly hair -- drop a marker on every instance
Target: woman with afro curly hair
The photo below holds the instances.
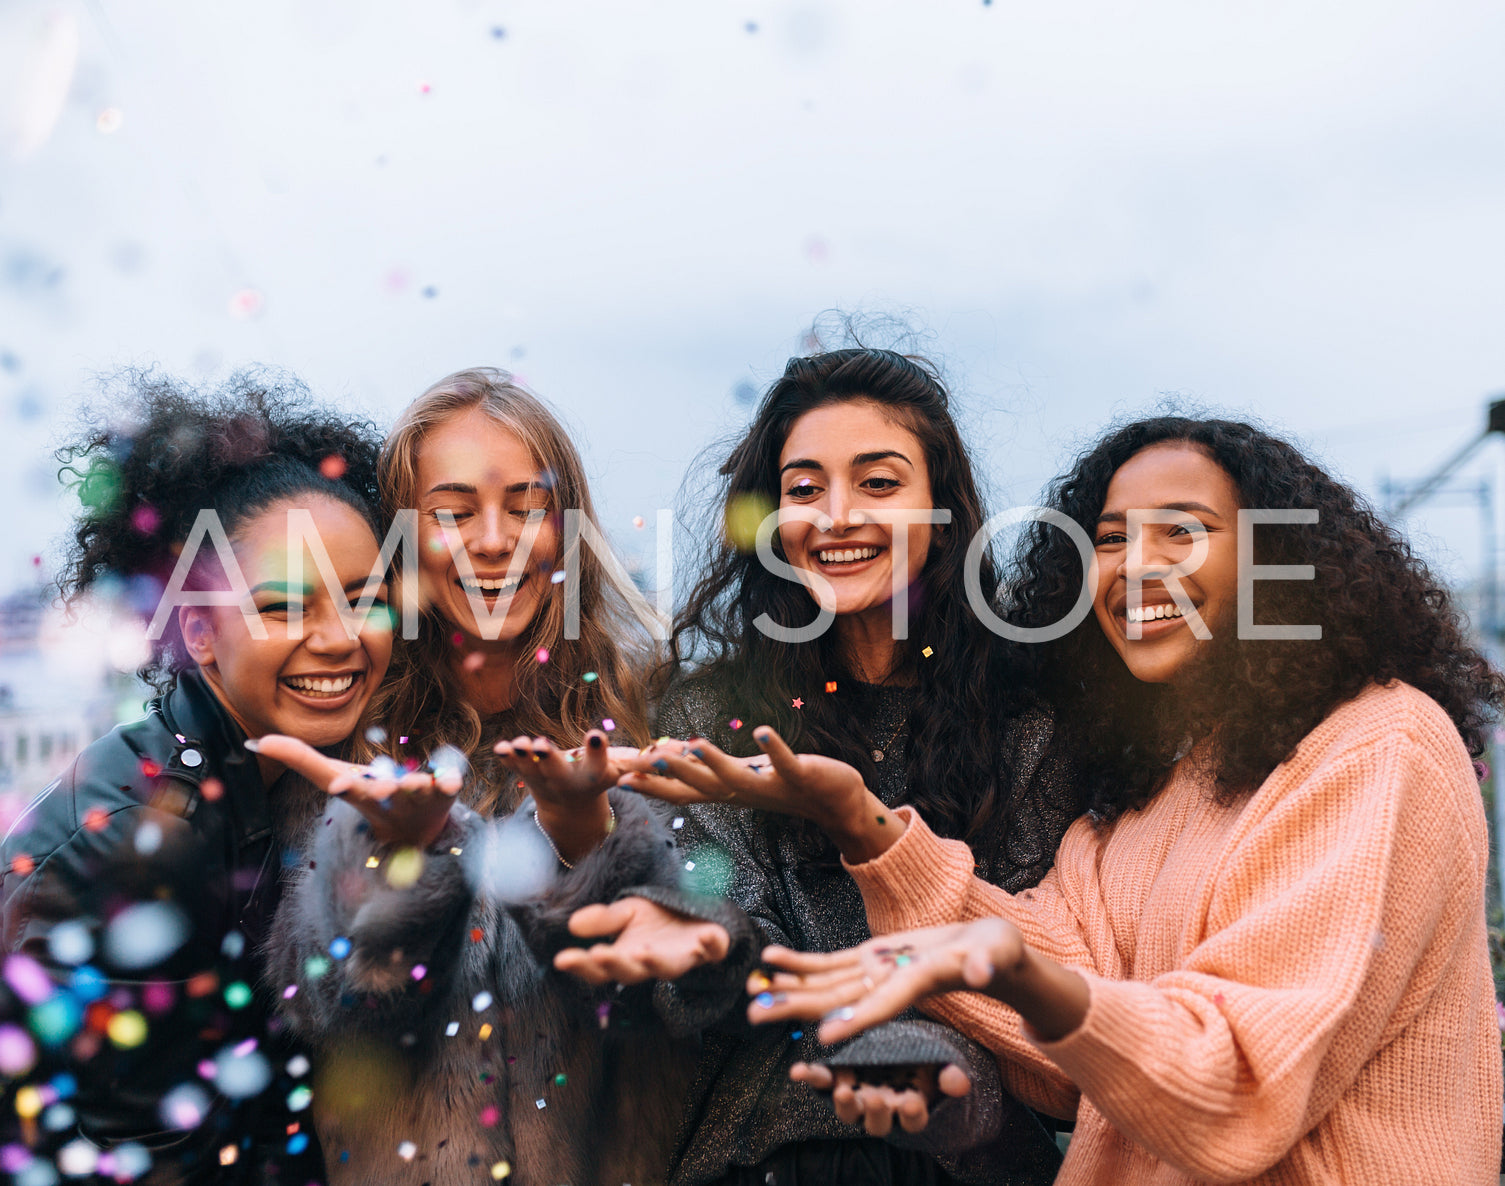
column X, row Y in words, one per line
column 137, row 888
column 1262, row 956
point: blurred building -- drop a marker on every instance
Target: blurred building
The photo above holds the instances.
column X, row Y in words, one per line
column 50, row 705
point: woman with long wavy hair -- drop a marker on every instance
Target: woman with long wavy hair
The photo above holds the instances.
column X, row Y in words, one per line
column 1262, row 957
column 854, row 449
column 415, row 944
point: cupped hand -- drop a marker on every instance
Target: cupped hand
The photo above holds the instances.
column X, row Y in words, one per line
column 409, row 808
column 905, row 1094
column 855, row 989
column 647, row 942
column 808, row 785
column 565, row 778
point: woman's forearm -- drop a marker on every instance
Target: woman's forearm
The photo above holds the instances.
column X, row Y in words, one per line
column 1051, row 998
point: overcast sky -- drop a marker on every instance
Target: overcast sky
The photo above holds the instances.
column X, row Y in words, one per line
column 1288, row 209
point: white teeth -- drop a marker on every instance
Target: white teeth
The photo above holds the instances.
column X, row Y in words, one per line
column 491, row 586
column 846, row 555
column 320, row 687
column 1154, row 613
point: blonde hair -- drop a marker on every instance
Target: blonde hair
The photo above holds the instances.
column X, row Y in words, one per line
column 422, row 700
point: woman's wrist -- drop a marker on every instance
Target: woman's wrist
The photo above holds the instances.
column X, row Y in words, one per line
column 864, row 829
column 1052, row 999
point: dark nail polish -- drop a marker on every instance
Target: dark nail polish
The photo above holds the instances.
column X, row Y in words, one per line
column 661, row 766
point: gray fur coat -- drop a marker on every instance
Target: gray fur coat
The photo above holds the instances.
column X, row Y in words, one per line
column 447, row 1043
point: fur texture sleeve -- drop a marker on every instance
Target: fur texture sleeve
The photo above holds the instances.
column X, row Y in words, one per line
column 357, row 920
column 639, row 852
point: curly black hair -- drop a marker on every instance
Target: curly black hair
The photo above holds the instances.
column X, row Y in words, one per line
column 966, row 690
column 1384, row 616
column 154, row 452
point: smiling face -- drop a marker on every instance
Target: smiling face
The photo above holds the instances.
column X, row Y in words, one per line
column 844, row 460
column 315, row 687
column 488, row 480
column 1170, row 476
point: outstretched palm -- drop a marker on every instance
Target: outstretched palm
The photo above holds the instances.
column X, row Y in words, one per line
column 409, row 808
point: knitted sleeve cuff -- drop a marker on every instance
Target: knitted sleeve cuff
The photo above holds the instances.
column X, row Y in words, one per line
column 921, row 881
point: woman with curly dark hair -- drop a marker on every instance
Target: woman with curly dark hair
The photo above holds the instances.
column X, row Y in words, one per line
column 854, row 448
column 1263, row 956
column 137, row 888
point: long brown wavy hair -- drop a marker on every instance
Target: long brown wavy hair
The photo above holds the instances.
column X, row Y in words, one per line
column 422, row 699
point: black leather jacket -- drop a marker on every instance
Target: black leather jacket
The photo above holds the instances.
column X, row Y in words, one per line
column 143, row 881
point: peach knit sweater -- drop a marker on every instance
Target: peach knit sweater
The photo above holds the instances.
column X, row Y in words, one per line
column 1291, row 989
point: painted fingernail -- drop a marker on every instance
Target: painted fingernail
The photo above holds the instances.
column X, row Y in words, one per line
column 764, row 1000
column 763, row 736
column 760, row 981
column 253, row 745
column 699, row 753
column 845, row 1013
column 661, row 766
column 594, row 741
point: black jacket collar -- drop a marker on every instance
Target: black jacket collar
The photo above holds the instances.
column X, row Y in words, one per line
column 209, row 744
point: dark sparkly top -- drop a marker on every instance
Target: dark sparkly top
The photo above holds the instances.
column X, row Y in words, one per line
column 791, row 882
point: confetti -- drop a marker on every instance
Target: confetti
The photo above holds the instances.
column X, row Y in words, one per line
column 561, row 1079
column 482, row 1000
column 339, row 947
column 246, row 304
column 298, row 1066
column 485, row 1031
column 473, row 662
column 927, row 652
column 96, row 818
column 404, row 868
column 540, row 1104
column 500, row 1170
column 590, row 677
column 419, row 972
column 78, row 1158
column 608, row 725
column 475, row 934
column 297, row 1143
column 678, row 822
column 735, row 723
column 144, row 934
column 333, row 467
column 70, row 942
column 558, row 577
column 372, row 862
column 797, row 703
column 228, row 1155
column 109, row 121
column 830, row 685
column 376, row 735
column 184, row 1107
column 490, row 1114
column 127, row 1029
column 541, row 655
column 452, row 1029
column 241, row 1074
column 22, row 864
column 407, row 1150
column 18, row 1053
column 638, row 521
column 212, row 789
column 796, row 1035
column 289, row 992
column 238, row 994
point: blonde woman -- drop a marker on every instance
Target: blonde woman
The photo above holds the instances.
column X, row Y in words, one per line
column 415, row 947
